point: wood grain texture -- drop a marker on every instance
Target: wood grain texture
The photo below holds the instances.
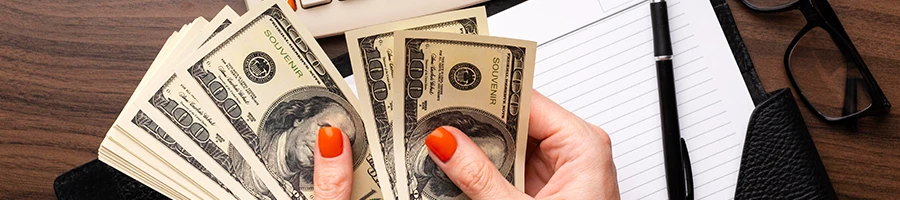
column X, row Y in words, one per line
column 67, row 69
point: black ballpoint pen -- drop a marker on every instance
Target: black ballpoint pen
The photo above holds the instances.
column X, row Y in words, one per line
column 679, row 178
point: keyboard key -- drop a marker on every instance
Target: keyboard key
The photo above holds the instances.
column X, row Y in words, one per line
column 312, row 3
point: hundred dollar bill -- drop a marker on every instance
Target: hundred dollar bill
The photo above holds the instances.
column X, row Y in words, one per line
column 178, row 108
column 107, row 140
column 127, row 160
column 143, row 129
column 166, row 141
column 479, row 84
column 371, row 53
column 169, row 164
column 154, row 179
column 174, row 116
column 172, row 112
column 175, row 108
column 156, row 145
column 265, row 80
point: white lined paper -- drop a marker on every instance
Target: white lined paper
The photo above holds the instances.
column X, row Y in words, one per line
column 595, row 59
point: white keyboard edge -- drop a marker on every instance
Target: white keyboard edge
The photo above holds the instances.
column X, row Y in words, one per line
column 364, row 10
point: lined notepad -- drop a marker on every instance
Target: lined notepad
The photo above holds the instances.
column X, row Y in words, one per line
column 595, row 58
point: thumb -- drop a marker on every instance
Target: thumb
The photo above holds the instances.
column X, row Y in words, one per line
column 467, row 165
column 333, row 170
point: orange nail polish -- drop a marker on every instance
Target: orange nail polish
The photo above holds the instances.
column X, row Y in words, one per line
column 441, row 143
column 331, row 142
column 293, row 4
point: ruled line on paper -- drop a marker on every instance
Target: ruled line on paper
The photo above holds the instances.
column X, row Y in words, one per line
column 637, row 148
column 701, row 121
column 635, row 136
column 652, row 193
column 714, row 141
column 710, row 130
column 714, row 167
column 639, row 160
column 615, row 106
column 697, row 97
column 701, row 108
column 720, row 190
column 641, row 172
column 704, row 158
column 639, row 121
column 651, row 180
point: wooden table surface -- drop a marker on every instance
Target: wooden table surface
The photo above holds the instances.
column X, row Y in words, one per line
column 67, row 69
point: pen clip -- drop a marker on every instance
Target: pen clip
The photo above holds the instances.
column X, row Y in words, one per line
column 688, row 173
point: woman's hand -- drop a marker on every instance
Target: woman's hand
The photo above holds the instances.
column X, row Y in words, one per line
column 333, row 168
column 567, row 158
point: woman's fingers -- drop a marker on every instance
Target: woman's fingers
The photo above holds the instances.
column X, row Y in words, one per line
column 576, row 154
column 333, row 171
column 467, row 165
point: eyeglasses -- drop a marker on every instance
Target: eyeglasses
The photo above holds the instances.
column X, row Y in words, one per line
column 824, row 66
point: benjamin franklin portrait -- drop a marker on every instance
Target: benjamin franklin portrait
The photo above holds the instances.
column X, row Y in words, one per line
column 486, row 130
column 289, row 129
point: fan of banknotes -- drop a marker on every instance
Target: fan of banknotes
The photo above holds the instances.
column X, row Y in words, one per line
column 230, row 107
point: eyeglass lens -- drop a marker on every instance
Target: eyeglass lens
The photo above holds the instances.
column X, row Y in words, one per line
column 824, row 75
column 766, row 4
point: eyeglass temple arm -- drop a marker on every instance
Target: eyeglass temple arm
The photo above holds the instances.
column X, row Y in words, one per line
column 851, row 92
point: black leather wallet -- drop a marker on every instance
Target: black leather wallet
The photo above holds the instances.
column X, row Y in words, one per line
column 96, row 180
column 780, row 160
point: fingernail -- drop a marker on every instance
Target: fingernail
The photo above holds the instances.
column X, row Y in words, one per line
column 293, row 4
column 441, row 143
column 331, row 142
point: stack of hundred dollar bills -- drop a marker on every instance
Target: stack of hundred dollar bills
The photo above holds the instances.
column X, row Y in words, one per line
column 231, row 107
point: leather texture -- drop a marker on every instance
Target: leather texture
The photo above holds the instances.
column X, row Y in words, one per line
column 780, row 160
column 96, row 180
column 739, row 50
